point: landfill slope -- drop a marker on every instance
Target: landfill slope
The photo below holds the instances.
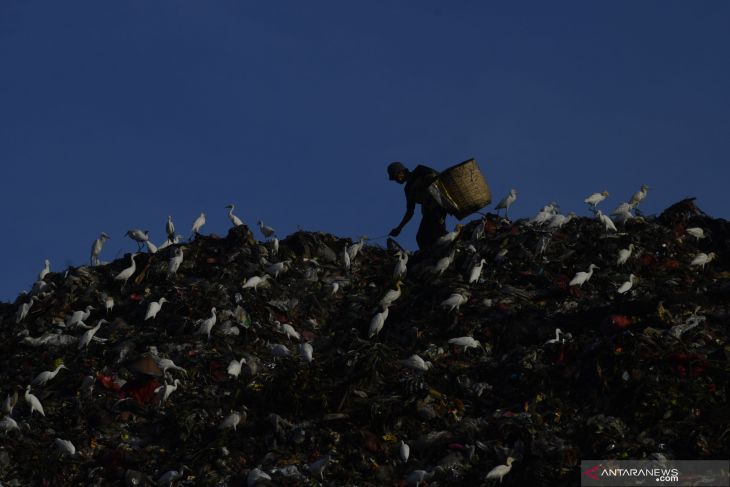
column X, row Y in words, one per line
column 643, row 374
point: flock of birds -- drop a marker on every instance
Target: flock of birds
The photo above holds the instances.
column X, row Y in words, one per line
column 548, row 218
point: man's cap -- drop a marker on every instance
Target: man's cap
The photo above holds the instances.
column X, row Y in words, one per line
column 394, row 168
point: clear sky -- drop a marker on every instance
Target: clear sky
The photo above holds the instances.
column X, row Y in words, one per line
column 115, row 114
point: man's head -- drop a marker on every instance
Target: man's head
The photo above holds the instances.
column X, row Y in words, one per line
column 397, row 172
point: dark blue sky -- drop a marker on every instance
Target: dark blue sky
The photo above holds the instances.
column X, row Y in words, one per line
column 115, row 114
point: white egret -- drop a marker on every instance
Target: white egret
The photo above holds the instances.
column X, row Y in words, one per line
column 170, row 229
column 596, row 198
column 97, row 246
column 153, row 308
column 696, row 232
column 625, row 287
column 466, row 342
column 333, row 288
column 442, row 264
column 418, row 476
column 454, row 302
column 10, row 402
column 506, row 202
column 702, row 258
column 274, row 246
column 279, row 350
column 33, row 402
column 66, row 447
column 414, row 362
column 346, row 262
column 207, row 325
column 234, row 219
column 46, row 269
column 8, row 424
column 547, row 213
column 306, row 350
column 171, row 476
column 174, row 263
column 44, row 377
column 278, row 268
column 558, row 332
column 266, row 231
column 450, row 237
column 164, row 391
column 24, row 309
column 165, row 364
column 85, row 339
column 151, row 247
column 581, row 278
column 404, row 451
column 197, row 225
column 401, row 266
column 624, row 254
column 255, row 281
column 377, row 322
column 79, row 316
column 476, row 271
column 500, row 471
column 391, row 295
column 355, row 248
column 108, row 302
column 288, row 330
column 139, row 236
column 234, row 367
column 231, row 421
column 607, row 222
column 558, row 221
column 639, row 196
column 127, row 273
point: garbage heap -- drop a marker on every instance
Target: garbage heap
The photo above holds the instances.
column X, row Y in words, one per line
column 632, row 375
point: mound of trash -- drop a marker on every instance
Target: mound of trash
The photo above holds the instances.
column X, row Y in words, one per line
column 320, row 361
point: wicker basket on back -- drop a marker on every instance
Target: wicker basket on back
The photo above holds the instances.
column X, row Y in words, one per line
column 462, row 189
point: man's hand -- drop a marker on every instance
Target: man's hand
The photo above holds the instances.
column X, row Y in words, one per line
column 395, row 232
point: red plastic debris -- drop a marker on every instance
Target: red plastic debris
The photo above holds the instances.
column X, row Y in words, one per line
column 136, row 297
column 144, row 393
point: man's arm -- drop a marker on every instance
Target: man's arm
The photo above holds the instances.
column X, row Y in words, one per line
column 411, row 206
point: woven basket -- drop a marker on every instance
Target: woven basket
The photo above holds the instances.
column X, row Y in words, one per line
column 464, row 189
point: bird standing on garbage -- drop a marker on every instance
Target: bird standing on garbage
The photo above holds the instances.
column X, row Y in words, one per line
column 46, row 269
column 355, row 248
column 581, row 278
column 96, row 248
column 624, row 288
column 450, row 237
column 170, row 229
column 234, row 367
column 401, row 266
column 164, row 391
column 317, row 467
column 702, row 258
column 696, row 232
column 558, row 332
column 153, row 308
column 234, row 219
column 165, row 364
column 465, row 342
column 255, row 281
column 639, row 196
column 288, row 330
column 66, row 447
column 454, row 302
column 306, row 351
column 78, row 316
column 391, row 295
column 169, row 477
column 197, row 225
column 33, row 402
column 417, row 183
column 267, row 232
column 377, row 322
column 500, row 471
column 44, row 377
column 624, row 254
column 506, row 202
column 476, row 271
column 174, row 263
column 596, row 198
column 231, row 421
column 207, row 325
column 418, row 476
column 128, row 272
column 277, row 268
column 8, row 424
column 139, row 236
column 85, row 339
column 10, row 402
column 414, row 362
column 404, row 451
column 24, row 309
column 607, row 222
